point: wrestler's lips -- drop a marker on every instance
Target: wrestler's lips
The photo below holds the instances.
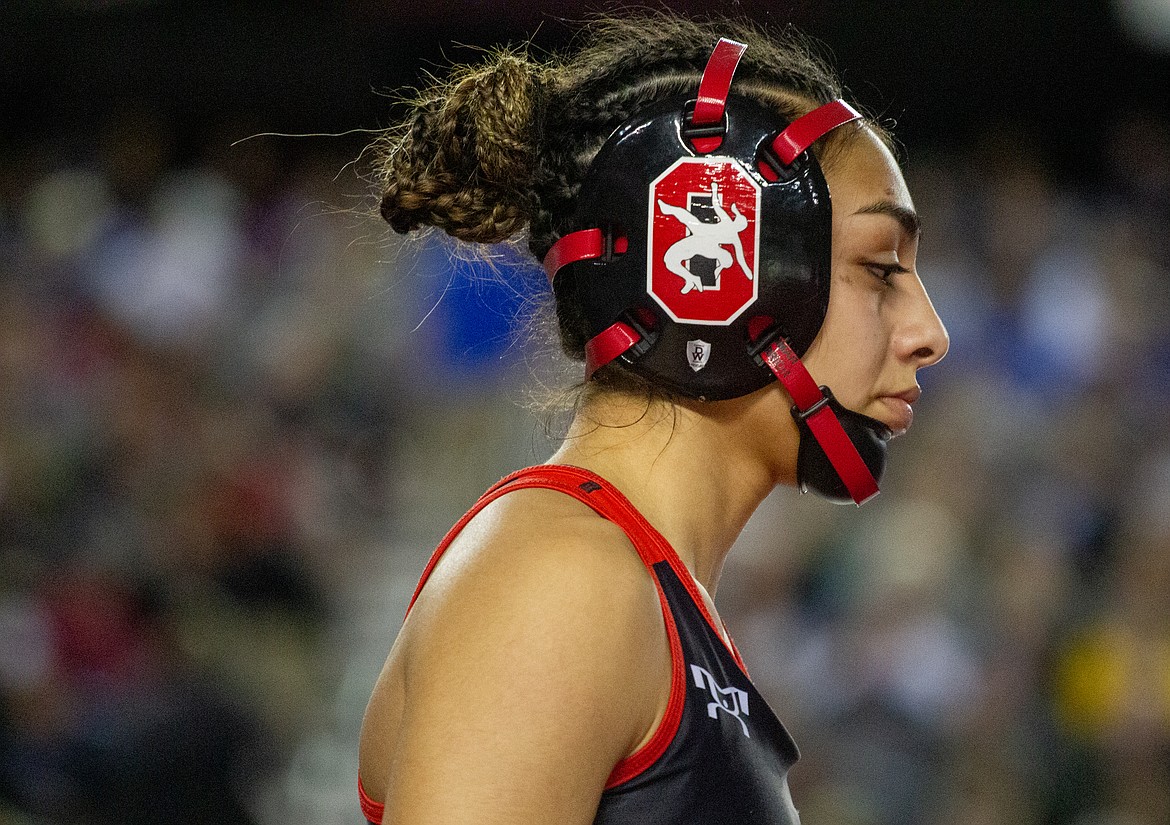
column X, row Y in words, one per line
column 899, row 409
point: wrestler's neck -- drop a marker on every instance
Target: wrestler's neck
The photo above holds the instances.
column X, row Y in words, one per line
column 695, row 471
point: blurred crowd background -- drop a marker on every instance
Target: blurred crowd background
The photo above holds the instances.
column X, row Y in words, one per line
column 236, row 414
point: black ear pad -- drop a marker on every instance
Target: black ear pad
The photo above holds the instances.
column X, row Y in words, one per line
column 648, row 180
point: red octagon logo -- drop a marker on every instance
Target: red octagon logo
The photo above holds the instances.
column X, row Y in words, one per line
column 704, row 240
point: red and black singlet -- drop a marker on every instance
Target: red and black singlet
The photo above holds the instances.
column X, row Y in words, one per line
column 719, row 755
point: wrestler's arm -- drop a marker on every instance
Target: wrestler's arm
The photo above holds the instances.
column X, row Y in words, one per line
column 526, row 674
column 717, row 204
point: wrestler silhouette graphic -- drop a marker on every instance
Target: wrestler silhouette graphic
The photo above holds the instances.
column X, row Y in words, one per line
column 707, row 240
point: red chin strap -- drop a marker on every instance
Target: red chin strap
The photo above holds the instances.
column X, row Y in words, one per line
column 812, row 403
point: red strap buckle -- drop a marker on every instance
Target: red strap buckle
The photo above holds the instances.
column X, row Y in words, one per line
column 713, row 89
column 809, row 128
column 813, row 405
column 584, row 245
column 608, row 345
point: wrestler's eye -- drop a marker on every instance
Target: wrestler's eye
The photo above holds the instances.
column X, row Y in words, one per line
column 884, row 272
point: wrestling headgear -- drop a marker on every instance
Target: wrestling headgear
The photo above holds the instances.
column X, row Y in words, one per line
column 701, row 260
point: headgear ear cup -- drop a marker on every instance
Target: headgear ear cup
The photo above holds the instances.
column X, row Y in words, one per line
column 720, row 255
column 648, row 190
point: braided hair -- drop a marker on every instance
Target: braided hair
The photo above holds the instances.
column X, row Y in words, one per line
column 502, row 147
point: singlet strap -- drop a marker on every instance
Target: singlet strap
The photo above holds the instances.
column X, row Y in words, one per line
column 604, row 499
column 373, row 811
column 609, row 503
column 652, row 548
column 581, row 485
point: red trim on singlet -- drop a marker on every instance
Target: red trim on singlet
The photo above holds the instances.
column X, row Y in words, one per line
column 593, row 491
column 652, row 548
column 551, row 474
column 664, row 734
column 373, row 811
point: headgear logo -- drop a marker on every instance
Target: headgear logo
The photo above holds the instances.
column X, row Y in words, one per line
column 698, row 353
column 704, row 240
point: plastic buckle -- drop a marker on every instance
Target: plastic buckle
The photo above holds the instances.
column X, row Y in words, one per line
column 647, row 337
column 756, row 348
column 804, row 415
column 611, row 240
column 690, row 130
column 767, row 155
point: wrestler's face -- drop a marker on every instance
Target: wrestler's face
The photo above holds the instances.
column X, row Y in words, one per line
column 880, row 328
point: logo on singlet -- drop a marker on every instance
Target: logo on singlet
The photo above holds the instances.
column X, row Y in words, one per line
column 729, row 699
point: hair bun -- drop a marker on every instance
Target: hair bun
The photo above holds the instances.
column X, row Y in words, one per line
column 463, row 161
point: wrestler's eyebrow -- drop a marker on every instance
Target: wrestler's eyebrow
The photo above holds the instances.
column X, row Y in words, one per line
column 908, row 218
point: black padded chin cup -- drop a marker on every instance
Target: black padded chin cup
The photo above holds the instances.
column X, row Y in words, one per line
column 815, row 472
column 792, row 264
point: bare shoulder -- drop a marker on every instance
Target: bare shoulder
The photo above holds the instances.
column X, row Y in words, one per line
column 535, row 657
column 537, row 537
column 533, row 563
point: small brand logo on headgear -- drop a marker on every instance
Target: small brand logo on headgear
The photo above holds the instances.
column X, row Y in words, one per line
column 698, row 353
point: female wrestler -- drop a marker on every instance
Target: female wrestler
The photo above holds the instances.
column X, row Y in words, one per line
column 564, row 662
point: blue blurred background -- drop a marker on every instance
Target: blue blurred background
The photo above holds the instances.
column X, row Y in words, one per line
column 236, row 414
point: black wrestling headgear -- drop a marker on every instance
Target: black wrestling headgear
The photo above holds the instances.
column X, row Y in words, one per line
column 702, row 262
